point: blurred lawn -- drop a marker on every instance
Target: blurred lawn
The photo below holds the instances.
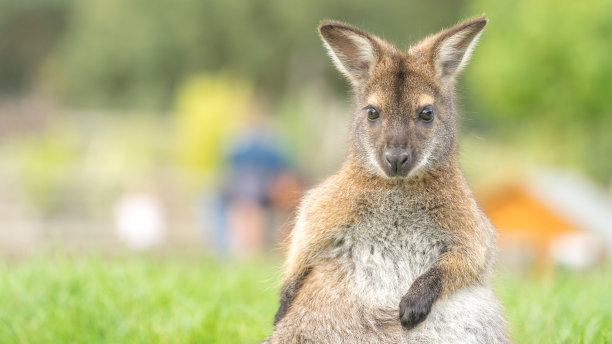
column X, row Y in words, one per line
column 136, row 300
column 180, row 300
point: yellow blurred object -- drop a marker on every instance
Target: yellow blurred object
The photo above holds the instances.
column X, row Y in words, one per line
column 208, row 108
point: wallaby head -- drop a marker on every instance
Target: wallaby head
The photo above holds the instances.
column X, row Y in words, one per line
column 405, row 120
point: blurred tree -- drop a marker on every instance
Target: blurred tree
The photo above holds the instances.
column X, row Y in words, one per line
column 135, row 53
column 542, row 80
column 30, row 31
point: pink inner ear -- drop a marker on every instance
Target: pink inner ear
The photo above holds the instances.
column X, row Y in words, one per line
column 355, row 60
column 345, row 45
column 350, row 54
column 453, row 49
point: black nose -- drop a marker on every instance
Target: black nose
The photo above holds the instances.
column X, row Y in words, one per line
column 397, row 159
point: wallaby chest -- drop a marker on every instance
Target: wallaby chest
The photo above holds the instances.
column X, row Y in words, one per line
column 392, row 242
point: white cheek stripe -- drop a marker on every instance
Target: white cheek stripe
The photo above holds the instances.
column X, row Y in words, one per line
column 425, row 159
column 375, row 163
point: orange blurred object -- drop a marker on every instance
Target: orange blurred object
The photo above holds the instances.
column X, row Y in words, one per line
column 551, row 216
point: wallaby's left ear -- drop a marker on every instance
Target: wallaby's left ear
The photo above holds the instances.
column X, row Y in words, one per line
column 353, row 51
column 453, row 47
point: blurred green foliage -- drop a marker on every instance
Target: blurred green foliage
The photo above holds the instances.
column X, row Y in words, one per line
column 538, row 85
column 117, row 54
column 47, row 163
column 30, row 31
column 541, row 80
column 82, row 162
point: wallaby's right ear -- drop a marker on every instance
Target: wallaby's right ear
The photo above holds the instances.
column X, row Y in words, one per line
column 354, row 52
column 453, row 47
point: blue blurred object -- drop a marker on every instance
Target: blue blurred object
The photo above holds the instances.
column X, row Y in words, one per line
column 252, row 163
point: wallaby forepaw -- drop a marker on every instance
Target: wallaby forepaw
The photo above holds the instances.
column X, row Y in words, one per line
column 413, row 310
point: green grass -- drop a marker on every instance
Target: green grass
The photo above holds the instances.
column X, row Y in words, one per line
column 565, row 307
column 197, row 300
column 136, row 300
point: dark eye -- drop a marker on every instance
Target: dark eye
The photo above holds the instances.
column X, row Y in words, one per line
column 427, row 114
column 372, row 113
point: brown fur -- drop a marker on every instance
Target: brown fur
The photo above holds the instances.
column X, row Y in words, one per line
column 427, row 194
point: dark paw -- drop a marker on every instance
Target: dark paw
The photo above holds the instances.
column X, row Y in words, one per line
column 416, row 304
column 413, row 310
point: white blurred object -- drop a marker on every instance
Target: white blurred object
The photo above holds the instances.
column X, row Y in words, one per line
column 576, row 250
column 579, row 200
column 140, row 220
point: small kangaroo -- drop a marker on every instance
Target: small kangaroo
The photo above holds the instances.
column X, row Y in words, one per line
column 394, row 248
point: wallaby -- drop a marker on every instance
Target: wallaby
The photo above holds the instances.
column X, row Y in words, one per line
column 394, row 248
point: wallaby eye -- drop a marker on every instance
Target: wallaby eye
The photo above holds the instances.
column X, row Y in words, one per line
column 372, row 113
column 427, row 114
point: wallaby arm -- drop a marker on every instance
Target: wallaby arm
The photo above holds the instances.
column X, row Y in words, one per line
column 464, row 263
column 289, row 290
column 459, row 268
column 305, row 244
column 315, row 228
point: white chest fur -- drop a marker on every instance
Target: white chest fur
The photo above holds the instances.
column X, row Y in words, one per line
column 384, row 252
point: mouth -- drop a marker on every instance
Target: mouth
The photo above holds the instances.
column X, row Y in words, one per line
column 395, row 173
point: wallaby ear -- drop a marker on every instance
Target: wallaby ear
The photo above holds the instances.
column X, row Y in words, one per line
column 453, row 47
column 354, row 52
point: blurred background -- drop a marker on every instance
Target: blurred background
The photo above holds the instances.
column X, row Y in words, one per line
column 193, row 127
